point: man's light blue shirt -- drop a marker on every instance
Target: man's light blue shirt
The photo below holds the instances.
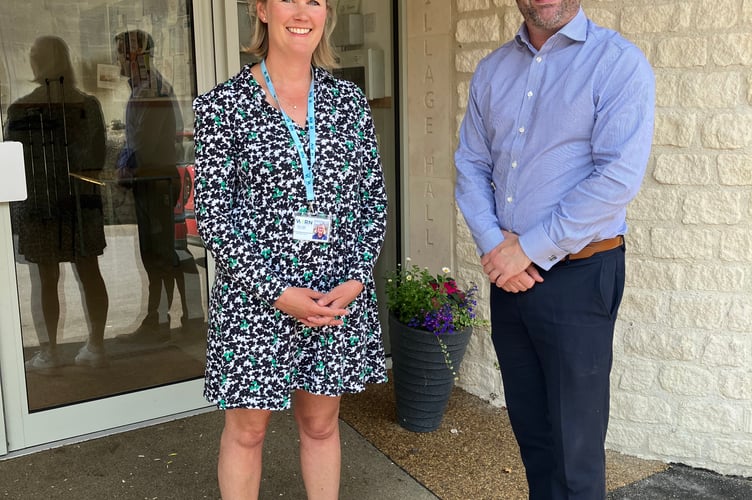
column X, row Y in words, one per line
column 554, row 143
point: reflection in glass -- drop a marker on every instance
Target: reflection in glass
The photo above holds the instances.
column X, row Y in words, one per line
column 62, row 130
column 147, row 164
column 102, row 257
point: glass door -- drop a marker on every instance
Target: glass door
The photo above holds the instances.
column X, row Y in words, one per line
column 104, row 313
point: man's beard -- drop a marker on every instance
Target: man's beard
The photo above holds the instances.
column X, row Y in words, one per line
column 566, row 9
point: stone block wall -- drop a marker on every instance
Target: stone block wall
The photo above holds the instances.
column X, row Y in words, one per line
column 682, row 376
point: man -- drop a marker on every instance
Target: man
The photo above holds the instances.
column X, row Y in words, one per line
column 148, row 163
column 553, row 146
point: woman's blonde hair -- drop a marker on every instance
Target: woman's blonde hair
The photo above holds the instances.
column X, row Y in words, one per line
column 323, row 57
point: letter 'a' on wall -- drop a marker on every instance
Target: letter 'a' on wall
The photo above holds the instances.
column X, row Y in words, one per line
column 13, row 187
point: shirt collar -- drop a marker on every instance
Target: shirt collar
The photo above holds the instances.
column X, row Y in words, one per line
column 575, row 30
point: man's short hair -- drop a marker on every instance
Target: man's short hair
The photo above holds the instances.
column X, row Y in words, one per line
column 135, row 41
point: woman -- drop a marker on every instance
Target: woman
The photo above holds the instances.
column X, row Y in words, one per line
column 292, row 320
column 63, row 133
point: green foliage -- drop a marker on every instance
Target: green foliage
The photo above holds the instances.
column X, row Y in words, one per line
column 433, row 303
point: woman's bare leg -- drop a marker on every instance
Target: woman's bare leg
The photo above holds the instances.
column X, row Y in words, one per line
column 239, row 467
column 320, row 453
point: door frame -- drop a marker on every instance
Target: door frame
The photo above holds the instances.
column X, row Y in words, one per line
column 9, row 322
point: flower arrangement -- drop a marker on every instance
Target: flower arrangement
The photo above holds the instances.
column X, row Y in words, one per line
column 433, row 303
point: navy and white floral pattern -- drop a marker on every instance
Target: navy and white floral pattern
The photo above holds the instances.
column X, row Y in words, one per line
column 249, row 187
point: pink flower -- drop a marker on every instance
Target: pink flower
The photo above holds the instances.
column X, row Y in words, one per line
column 450, row 287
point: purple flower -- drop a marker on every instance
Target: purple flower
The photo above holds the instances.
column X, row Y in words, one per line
column 434, row 303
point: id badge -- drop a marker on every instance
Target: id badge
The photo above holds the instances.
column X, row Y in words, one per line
column 308, row 228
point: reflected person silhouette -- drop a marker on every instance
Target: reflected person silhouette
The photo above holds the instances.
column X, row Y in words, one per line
column 63, row 133
column 148, row 165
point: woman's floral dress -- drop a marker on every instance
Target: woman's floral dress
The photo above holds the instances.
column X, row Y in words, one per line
column 249, row 187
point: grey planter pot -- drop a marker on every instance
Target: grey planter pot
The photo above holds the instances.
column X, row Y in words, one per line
column 422, row 380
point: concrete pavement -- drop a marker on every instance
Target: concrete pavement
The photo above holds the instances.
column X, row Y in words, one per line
column 177, row 461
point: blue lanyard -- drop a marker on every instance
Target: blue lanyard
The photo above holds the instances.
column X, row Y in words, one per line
column 306, row 163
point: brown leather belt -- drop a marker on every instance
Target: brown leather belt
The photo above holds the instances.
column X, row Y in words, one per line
column 596, row 247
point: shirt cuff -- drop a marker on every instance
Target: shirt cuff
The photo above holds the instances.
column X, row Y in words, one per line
column 489, row 240
column 540, row 249
column 360, row 274
column 271, row 289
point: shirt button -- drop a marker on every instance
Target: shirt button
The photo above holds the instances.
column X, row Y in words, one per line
column 509, row 199
column 522, row 130
column 538, row 59
column 514, row 164
column 530, row 93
